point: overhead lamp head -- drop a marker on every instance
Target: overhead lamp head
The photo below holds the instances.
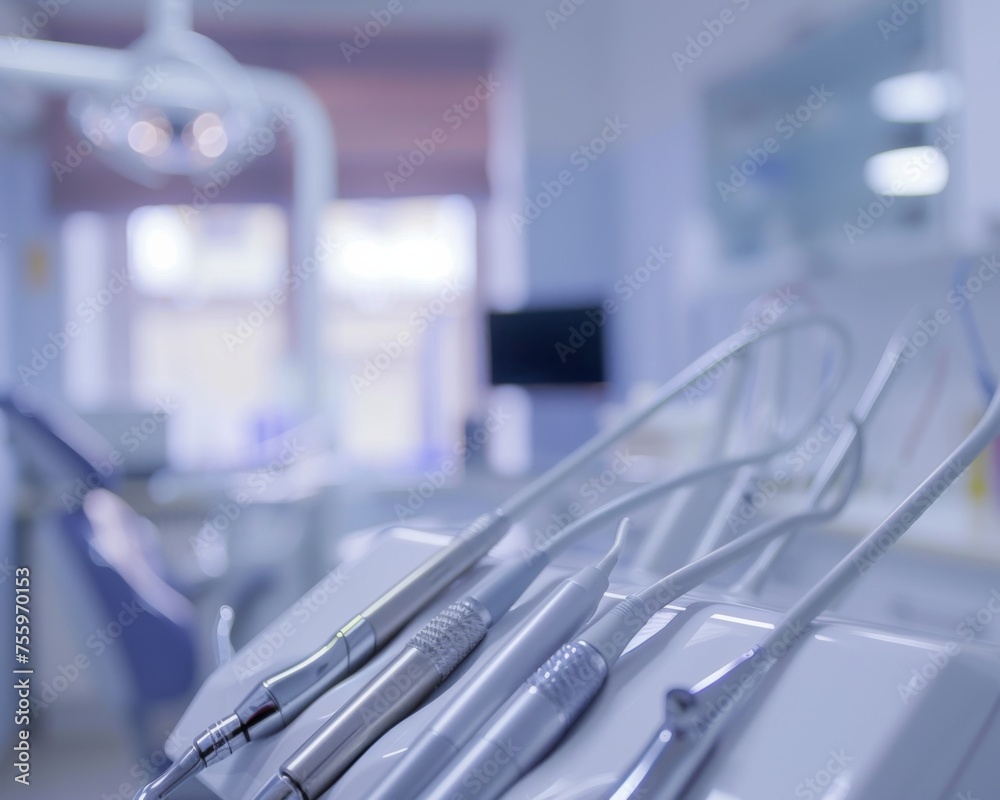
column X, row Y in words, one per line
column 187, row 106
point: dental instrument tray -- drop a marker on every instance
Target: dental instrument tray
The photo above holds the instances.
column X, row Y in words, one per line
column 856, row 712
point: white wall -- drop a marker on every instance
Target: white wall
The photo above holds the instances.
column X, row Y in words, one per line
column 604, row 60
column 30, row 296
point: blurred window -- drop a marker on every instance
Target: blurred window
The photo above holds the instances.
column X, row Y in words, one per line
column 399, row 297
column 397, row 328
column 194, row 281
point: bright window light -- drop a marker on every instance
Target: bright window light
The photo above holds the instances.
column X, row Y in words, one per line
column 160, row 250
column 219, row 251
column 404, row 245
column 914, row 97
column 401, row 281
column 907, row 172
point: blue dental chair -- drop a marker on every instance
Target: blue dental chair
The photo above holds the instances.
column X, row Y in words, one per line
column 107, row 563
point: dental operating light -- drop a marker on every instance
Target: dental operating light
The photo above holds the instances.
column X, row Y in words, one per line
column 154, row 123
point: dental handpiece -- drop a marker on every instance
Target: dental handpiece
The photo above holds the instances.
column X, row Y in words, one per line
column 277, row 701
column 424, row 663
column 330, row 751
column 547, row 705
column 663, row 768
column 694, row 722
column 560, row 616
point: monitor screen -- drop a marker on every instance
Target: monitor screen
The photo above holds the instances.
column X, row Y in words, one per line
column 548, row 346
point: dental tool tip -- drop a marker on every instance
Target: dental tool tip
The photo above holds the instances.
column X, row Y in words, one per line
column 279, row 788
column 183, row 768
column 608, row 562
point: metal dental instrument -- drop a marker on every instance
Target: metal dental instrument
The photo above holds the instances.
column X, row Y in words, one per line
column 744, row 482
column 330, row 751
column 279, row 699
column 446, row 640
column 887, row 368
column 662, row 762
column 561, row 615
column 545, row 707
column 691, row 729
column 429, row 657
column 674, row 539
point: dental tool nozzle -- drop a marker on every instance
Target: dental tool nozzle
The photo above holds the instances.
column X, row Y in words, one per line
column 558, row 617
column 187, row 765
column 426, row 661
column 609, row 561
column 279, row 699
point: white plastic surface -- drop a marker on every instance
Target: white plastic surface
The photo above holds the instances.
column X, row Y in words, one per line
column 835, row 720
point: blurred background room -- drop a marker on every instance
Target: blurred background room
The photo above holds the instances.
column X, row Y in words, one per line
column 331, row 268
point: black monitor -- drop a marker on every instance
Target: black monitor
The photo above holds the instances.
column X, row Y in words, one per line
column 548, row 346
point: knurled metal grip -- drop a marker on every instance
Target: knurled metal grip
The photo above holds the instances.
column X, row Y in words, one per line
column 451, row 635
column 570, row 678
